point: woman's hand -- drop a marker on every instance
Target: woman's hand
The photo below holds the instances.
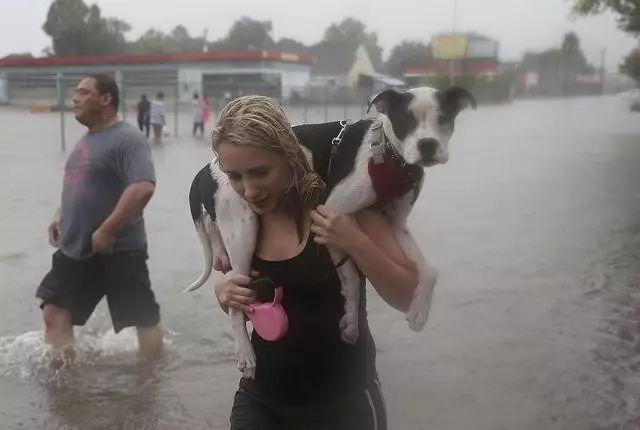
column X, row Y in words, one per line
column 231, row 291
column 338, row 231
column 370, row 242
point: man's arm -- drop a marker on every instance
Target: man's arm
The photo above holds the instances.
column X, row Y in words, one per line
column 129, row 207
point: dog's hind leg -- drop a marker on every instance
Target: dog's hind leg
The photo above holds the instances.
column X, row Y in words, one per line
column 220, row 257
column 397, row 212
column 349, row 197
column 238, row 226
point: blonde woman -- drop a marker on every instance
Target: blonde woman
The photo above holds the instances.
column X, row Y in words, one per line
column 309, row 379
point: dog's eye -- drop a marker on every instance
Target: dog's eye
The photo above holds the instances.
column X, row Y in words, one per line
column 443, row 120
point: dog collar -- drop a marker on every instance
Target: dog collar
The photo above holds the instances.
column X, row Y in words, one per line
column 391, row 176
column 380, row 146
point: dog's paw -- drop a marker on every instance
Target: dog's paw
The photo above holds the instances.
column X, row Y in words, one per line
column 349, row 329
column 417, row 318
column 418, row 312
column 247, row 362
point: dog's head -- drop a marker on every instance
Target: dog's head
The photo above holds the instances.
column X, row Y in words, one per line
column 420, row 122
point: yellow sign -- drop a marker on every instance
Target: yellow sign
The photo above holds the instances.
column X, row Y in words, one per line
column 449, row 46
column 286, row 56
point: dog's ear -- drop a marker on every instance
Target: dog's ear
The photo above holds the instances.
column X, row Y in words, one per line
column 385, row 100
column 455, row 99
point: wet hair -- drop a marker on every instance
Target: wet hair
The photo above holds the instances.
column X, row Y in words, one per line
column 105, row 84
column 262, row 122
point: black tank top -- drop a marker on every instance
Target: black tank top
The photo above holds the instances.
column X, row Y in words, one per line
column 311, row 362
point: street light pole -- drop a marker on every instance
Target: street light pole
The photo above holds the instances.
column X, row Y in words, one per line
column 452, row 61
column 455, row 16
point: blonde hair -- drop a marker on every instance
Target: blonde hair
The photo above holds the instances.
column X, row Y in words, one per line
column 262, row 122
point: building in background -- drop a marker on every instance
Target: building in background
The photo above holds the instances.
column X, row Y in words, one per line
column 456, row 55
column 219, row 75
column 345, row 73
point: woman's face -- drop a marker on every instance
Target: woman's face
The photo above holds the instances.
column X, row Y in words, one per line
column 258, row 174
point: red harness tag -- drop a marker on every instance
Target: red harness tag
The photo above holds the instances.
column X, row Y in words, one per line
column 391, row 181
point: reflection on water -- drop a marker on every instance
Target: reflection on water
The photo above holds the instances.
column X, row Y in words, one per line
column 615, row 288
column 113, row 396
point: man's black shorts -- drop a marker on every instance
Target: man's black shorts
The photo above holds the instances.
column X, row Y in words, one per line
column 78, row 286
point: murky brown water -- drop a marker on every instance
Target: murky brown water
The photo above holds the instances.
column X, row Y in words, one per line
column 534, row 225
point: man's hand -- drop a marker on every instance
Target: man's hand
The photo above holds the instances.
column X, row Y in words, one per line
column 129, row 207
column 54, row 232
column 102, row 241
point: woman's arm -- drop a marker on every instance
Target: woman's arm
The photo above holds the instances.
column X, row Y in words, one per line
column 368, row 239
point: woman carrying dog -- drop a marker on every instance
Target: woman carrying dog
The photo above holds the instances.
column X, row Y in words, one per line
column 310, row 378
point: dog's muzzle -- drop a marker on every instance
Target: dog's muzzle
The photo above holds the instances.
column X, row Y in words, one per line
column 427, row 149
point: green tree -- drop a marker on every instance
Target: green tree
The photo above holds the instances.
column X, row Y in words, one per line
column 571, row 61
column 157, row 42
column 105, row 36
column 151, row 41
column 628, row 11
column 292, row 45
column 246, row 34
column 351, row 32
column 77, row 29
column 183, row 42
column 559, row 68
column 631, row 65
column 405, row 54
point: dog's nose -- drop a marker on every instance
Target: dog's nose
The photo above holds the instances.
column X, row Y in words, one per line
column 427, row 148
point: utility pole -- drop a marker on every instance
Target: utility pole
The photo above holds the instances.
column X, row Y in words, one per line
column 603, row 56
column 452, row 61
column 455, row 16
column 205, row 48
column 61, row 90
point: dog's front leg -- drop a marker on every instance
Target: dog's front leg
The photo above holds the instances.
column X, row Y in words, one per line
column 397, row 212
column 350, row 281
column 238, row 226
column 418, row 312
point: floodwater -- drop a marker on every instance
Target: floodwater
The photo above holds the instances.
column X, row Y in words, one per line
column 534, row 225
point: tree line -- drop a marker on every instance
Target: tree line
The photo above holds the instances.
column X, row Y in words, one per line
column 628, row 17
column 76, row 28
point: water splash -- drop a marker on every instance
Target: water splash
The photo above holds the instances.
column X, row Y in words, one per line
column 27, row 354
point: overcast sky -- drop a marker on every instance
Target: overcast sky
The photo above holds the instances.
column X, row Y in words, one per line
column 519, row 25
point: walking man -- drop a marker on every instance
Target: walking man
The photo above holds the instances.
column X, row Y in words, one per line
column 99, row 230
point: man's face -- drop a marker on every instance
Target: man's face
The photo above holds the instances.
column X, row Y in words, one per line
column 89, row 104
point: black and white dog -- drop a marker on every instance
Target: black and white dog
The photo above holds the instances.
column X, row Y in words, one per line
column 371, row 162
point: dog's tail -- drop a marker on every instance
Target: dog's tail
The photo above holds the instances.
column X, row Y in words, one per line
column 201, row 203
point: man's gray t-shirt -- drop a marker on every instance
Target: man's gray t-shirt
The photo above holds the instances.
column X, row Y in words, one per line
column 98, row 170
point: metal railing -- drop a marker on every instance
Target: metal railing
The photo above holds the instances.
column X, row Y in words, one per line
column 304, row 104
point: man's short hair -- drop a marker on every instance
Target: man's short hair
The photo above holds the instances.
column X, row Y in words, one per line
column 105, row 84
